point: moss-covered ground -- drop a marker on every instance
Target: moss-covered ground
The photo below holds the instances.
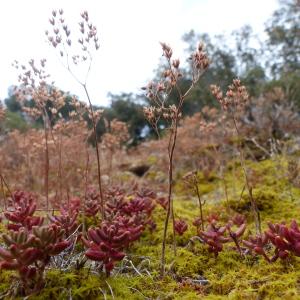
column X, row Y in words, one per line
column 194, row 273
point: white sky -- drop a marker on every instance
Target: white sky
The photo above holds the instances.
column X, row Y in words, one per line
column 129, row 33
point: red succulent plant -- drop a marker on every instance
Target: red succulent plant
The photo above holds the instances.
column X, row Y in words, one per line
column 214, row 237
column 20, row 212
column 284, row 239
column 30, row 252
column 180, row 226
column 105, row 244
column 238, row 221
column 66, row 220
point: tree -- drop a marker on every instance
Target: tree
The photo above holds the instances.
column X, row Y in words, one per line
column 283, row 42
column 283, row 47
column 128, row 108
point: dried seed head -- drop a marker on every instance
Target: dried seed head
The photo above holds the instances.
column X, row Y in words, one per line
column 176, row 63
column 236, row 96
column 166, row 73
column 167, row 51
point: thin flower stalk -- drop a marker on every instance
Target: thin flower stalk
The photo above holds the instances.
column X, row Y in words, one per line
column 158, row 94
column 62, row 42
column 235, row 100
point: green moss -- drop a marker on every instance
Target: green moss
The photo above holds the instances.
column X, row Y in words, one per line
column 152, row 159
column 6, row 278
column 204, row 188
column 88, row 221
column 265, row 199
column 157, row 176
column 229, row 276
column 187, row 264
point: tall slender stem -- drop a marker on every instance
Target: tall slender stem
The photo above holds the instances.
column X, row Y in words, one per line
column 6, row 185
column 46, row 179
column 172, row 143
column 97, row 152
column 171, row 148
column 60, row 169
column 200, row 206
column 86, row 175
column 3, row 193
column 221, row 164
column 249, row 188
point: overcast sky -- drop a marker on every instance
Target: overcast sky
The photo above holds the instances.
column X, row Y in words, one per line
column 129, row 33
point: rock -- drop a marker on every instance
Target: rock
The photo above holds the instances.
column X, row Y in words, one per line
column 139, row 170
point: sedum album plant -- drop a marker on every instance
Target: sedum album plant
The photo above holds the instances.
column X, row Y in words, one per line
column 105, row 244
column 78, row 55
column 285, row 240
column 233, row 103
column 35, row 85
column 29, row 245
column 180, row 226
column 29, row 252
column 67, row 220
column 20, row 214
column 126, row 221
column 161, row 109
column 216, row 235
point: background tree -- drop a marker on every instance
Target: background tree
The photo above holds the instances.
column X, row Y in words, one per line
column 283, row 49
